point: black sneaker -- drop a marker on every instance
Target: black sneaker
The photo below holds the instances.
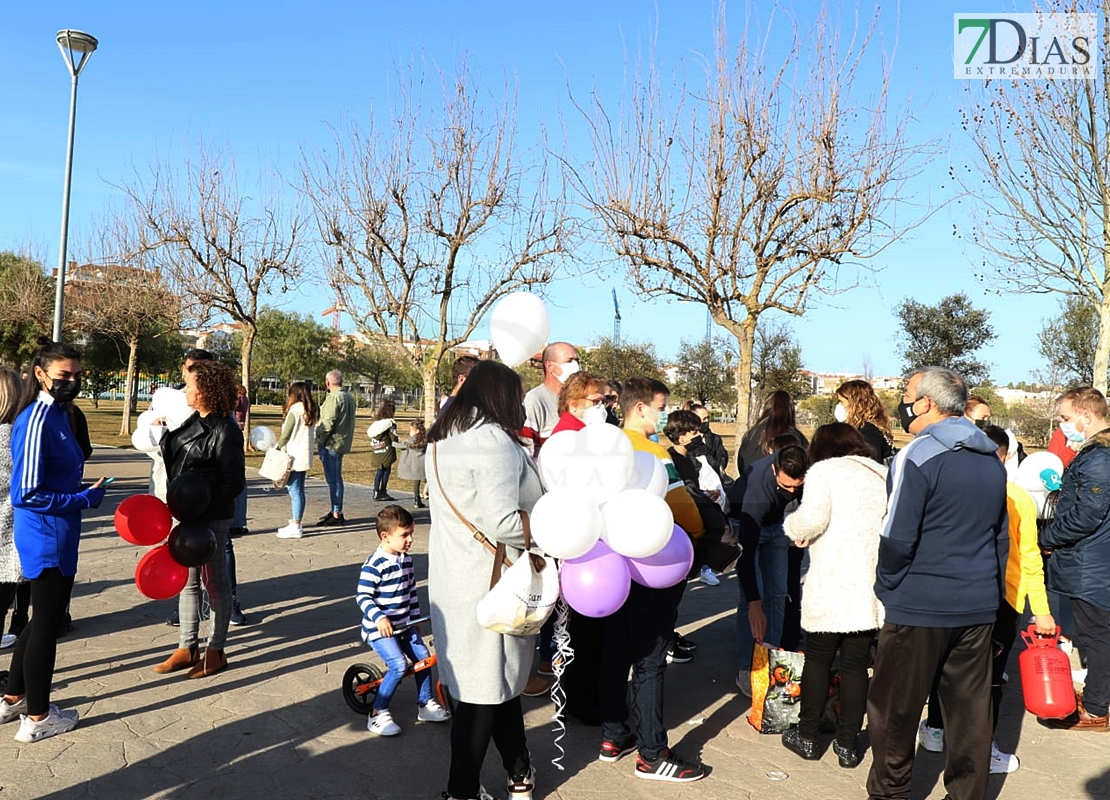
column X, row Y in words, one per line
column 384, row 498
column 237, row 616
column 684, row 643
column 668, row 767
column 806, row 748
column 678, row 655
column 615, row 751
column 329, row 521
column 324, row 519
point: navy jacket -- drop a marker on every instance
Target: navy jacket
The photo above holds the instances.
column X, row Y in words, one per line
column 942, row 557
column 1079, row 535
column 761, row 505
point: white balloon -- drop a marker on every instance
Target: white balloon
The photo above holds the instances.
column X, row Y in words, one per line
column 566, row 523
column 171, row 404
column 519, row 327
column 1029, row 471
column 597, row 459
column 263, row 438
column 609, row 459
column 648, row 473
column 147, row 436
column 637, row 523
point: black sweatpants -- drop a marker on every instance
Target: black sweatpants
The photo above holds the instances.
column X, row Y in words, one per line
column 32, row 669
column 907, row 661
column 472, row 728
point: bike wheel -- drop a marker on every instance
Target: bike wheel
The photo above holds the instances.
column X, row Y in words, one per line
column 356, row 691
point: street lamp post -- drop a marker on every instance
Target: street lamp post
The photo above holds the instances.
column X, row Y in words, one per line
column 69, row 42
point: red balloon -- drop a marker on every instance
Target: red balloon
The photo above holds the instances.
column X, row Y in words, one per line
column 158, row 576
column 143, row 519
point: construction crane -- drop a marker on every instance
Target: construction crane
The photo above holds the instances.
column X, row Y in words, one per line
column 335, row 311
column 616, row 321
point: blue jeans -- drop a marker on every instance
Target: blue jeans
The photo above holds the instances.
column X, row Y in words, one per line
column 771, row 575
column 381, row 480
column 392, row 650
column 332, row 463
column 295, row 487
column 240, row 518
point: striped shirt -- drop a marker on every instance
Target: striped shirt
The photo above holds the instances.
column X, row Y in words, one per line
column 386, row 588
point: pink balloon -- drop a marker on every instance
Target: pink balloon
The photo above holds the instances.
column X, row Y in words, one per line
column 596, row 584
column 667, row 567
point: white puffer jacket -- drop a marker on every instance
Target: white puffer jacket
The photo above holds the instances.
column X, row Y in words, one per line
column 841, row 514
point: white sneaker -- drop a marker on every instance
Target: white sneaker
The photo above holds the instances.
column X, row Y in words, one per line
column 57, row 721
column 744, row 682
column 1003, row 763
column 522, row 789
column 432, row 712
column 7, row 640
column 12, row 711
column 932, row 739
column 708, row 576
column 382, row 724
column 290, row 531
column 1079, row 675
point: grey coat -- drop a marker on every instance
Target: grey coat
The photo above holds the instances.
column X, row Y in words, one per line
column 410, row 461
column 9, row 558
column 489, row 477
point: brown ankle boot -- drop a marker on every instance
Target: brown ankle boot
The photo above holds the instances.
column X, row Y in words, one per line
column 210, row 663
column 182, row 657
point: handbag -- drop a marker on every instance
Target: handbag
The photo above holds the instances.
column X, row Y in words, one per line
column 276, row 466
column 522, row 594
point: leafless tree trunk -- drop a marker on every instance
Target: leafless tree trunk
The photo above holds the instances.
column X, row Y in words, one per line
column 757, row 189
column 223, row 249
column 1041, row 186
column 427, row 221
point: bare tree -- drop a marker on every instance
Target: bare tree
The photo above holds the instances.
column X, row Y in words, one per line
column 752, row 192
column 428, row 220
column 119, row 293
column 1041, row 184
column 221, row 250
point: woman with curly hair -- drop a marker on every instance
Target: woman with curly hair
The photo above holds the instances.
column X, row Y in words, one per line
column 208, row 444
column 861, row 408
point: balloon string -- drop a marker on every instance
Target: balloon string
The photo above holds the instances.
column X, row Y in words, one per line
column 564, row 654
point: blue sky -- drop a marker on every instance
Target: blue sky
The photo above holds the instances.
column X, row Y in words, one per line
column 263, row 81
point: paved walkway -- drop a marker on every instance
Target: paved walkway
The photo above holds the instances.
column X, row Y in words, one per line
column 274, row 725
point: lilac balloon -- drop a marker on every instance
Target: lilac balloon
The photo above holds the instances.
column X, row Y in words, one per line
column 667, row 567
column 596, row 584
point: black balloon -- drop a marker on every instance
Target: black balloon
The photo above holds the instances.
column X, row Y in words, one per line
column 188, row 496
column 192, row 544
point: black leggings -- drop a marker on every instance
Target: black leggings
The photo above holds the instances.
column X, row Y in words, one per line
column 33, row 660
column 21, row 593
column 821, row 648
column 471, row 730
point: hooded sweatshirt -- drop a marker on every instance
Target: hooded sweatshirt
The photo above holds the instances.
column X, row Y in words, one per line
column 945, row 540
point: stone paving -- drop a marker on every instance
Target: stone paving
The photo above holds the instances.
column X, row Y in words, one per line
column 274, row 725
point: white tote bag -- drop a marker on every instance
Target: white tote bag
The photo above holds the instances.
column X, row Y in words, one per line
column 276, row 466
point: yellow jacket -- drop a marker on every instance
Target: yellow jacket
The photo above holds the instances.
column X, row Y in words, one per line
column 1024, row 567
column 683, row 507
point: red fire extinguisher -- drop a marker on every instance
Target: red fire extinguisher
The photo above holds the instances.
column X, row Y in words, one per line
column 1046, row 676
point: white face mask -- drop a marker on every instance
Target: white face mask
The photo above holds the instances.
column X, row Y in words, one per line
column 595, row 415
column 566, row 370
column 840, row 413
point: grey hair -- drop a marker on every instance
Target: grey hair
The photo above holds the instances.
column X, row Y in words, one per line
column 944, row 387
column 335, row 377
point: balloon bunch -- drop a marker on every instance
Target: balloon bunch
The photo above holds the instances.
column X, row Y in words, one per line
column 519, row 326
column 145, row 520
column 1039, row 474
column 166, row 404
column 605, row 515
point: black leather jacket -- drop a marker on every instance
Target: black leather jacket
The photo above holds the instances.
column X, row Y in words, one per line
column 213, row 448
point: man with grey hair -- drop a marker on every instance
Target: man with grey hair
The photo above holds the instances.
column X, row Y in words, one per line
column 334, row 434
column 940, row 577
column 541, row 405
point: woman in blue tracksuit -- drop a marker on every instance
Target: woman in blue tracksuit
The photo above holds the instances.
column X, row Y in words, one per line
column 48, row 497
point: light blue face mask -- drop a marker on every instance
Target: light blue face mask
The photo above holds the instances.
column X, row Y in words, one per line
column 664, row 415
column 1069, row 431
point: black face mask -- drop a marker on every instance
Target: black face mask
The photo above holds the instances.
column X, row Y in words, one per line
column 906, row 415
column 786, row 495
column 64, row 391
column 704, row 427
column 696, row 443
column 982, row 423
